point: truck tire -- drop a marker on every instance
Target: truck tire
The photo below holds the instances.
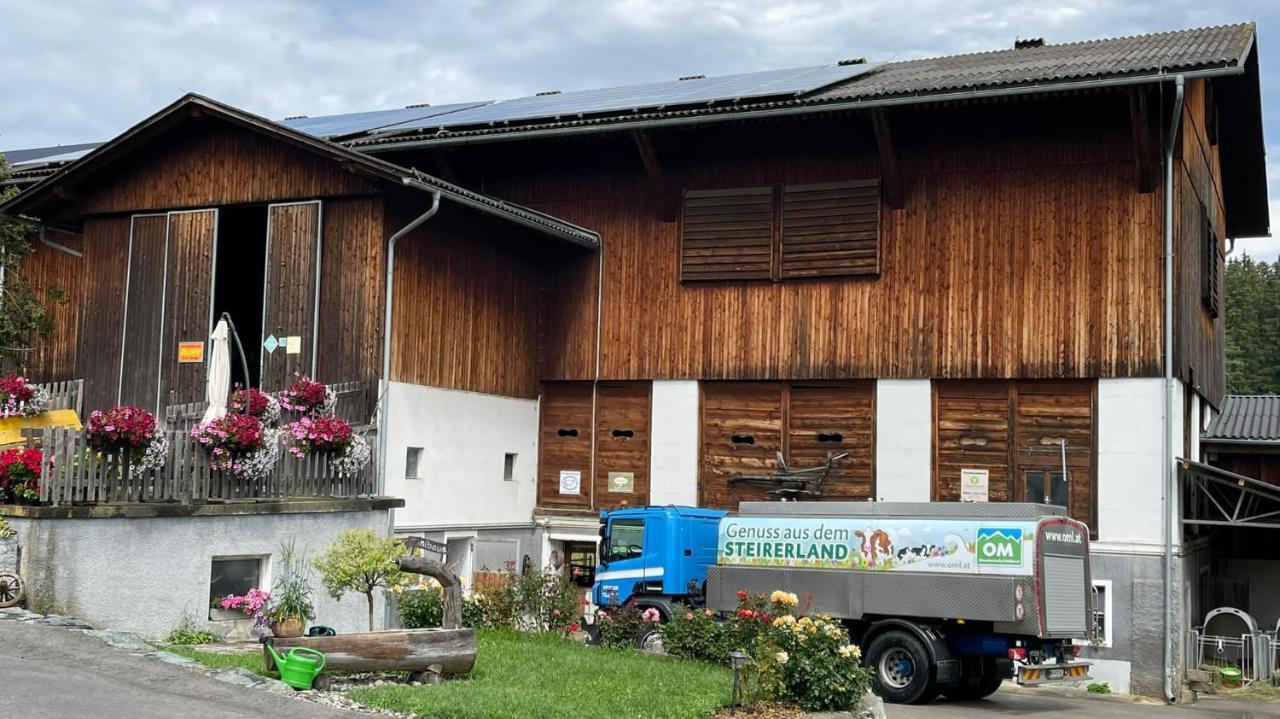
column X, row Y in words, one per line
column 901, row 670
column 976, row 685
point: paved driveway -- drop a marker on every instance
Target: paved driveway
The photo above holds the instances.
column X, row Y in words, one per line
column 52, row 673
column 1005, row 703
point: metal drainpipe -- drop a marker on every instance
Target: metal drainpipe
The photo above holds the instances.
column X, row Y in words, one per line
column 1169, row 477
column 384, row 414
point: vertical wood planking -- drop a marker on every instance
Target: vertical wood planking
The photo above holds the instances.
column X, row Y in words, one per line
column 106, row 252
column 144, row 297
column 622, row 442
column 188, row 300
column 564, row 443
column 293, row 231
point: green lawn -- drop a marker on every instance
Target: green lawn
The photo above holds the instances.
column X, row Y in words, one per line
column 552, row 678
column 249, row 660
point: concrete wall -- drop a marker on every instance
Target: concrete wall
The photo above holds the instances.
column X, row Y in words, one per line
column 673, row 443
column 904, row 440
column 143, row 574
column 465, row 437
column 1130, row 467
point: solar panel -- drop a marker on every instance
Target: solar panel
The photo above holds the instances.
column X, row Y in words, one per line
column 356, row 122
column 696, row 90
column 47, row 154
column 47, row 159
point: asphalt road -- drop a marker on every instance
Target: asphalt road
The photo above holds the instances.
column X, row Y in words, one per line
column 52, row 673
column 1006, row 703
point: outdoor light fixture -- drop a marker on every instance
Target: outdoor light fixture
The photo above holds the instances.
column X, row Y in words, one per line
column 737, row 660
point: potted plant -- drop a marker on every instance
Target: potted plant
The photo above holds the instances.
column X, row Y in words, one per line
column 128, row 431
column 19, row 398
column 332, row 436
column 257, row 403
column 20, row 476
column 307, row 396
column 253, row 605
column 239, row 444
column 291, row 605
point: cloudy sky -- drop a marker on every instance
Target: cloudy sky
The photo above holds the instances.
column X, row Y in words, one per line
column 83, row 70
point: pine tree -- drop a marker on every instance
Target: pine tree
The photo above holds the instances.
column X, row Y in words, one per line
column 1253, row 326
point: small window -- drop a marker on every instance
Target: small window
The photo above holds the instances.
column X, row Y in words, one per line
column 234, row 576
column 626, row 540
column 1101, row 613
column 1045, row 487
column 413, row 463
column 509, row 467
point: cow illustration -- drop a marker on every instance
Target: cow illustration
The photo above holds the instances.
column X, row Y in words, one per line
column 875, row 545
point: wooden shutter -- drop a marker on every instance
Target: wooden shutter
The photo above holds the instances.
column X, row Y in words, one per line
column 742, row 434
column 727, row 234
column 565, row 443
column 188, row 302
column 289, row 297
column 144, row 296
column 971, row 430
column 622, row 442
column 1210, row 261
column 836, row 417
column 831, row 229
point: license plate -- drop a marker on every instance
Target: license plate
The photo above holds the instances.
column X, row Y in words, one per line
column 1051, row 673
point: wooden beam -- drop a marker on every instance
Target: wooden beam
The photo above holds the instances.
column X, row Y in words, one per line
column 1143, row 154
column 890, row 177
column 653, row 173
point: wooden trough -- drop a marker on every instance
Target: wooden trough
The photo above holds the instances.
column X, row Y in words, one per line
column 427, row 654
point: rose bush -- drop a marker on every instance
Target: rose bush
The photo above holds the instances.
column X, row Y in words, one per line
column 20, row 476
column 19, row 398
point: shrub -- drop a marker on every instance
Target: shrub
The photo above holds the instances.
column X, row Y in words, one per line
column 1099, row 688
column 421, row 604
column 187, row 634
column 695, row 633
column 621, row 627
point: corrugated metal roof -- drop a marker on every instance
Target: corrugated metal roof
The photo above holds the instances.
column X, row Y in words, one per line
column 1247, row 418
column 1225, row 46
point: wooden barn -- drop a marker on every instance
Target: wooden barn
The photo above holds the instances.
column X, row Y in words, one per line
column 916, row 272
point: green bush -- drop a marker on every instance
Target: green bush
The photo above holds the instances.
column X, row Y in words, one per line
column 1099, row 688
column 421, row 608
column 695, row 633
column 186, row 633
column 534, row 603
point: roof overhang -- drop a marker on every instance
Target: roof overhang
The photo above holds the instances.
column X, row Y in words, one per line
column 50, row 192
column 1233, row 500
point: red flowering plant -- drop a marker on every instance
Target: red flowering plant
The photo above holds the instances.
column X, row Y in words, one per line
column 19, row 398
column 129, row 430
column 20, row 476
column 239, row 444
column 321, row 435
column 307, row 396
column 257, row 403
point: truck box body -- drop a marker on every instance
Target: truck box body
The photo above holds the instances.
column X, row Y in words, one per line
column 1022, row 567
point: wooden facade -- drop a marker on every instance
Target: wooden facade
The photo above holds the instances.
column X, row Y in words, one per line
column 56, row 275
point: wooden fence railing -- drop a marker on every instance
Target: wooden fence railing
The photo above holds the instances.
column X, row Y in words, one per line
column 355, row 402
column 74, row 473
column 67, row 394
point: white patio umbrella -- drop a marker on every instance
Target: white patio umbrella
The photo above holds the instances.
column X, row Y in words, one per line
column 218, row 382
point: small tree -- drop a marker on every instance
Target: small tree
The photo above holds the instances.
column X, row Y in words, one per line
column 23, row 319
column 359, row 561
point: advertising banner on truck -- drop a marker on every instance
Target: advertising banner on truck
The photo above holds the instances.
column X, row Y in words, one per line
column 912, row 545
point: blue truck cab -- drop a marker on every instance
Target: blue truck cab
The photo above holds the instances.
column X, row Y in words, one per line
column 649, row 555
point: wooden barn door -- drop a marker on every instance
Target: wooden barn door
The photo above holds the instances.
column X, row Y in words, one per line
column 188, row 302
column 564, row 445
column 290, row 293
column 836, row 418
column 143, row 322
column 622, row 445
column 742, row 434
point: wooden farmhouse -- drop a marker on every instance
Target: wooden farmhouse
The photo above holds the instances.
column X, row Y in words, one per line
column 919, row 272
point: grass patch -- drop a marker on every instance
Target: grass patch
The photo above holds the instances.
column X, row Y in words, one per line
column 218, row 660
column 545, row 677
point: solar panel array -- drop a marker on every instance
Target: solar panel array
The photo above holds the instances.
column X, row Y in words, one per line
column 754, row 85
column 358, row 122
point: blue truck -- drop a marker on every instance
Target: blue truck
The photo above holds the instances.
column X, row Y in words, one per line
column 944, row 598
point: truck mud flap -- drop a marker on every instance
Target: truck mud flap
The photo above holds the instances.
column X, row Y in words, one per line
column 1037, row 674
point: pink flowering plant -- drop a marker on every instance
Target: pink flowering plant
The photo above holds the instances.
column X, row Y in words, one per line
column 257, row 403
column 239, row 444
column 307, row 396
column 129, row 430
column 317, row 435
column 20, row 398
column 253, row 604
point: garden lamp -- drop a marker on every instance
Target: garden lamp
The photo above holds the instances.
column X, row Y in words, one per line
column 737, row 660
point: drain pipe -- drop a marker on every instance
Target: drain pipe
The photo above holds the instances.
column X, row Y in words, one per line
column 1168, row 477
column 384, row 398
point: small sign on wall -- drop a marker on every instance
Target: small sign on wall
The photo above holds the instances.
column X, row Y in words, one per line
column 190, row 352
column 293, row 345
column 570, row 481
column 622, row 482
column 974, row 484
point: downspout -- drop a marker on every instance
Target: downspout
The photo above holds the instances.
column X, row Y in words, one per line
column 1169, row 477
column 385, row 393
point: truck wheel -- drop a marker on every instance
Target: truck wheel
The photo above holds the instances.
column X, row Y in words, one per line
column 901, row 670
column 978, row 685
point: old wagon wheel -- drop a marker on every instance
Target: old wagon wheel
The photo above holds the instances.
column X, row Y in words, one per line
column 11, row 589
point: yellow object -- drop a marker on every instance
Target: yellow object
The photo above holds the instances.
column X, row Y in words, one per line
column 11, row 427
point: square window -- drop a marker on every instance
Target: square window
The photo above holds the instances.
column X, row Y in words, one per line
column 234, row 575
column 1057, row 492
column 509, row 467
column 1101, row 613
column 413, row 463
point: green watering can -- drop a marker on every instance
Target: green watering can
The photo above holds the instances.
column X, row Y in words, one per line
column 296, row 669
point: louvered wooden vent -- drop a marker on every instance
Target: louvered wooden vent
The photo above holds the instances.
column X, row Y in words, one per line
column 831, row 229
column 728, row 235
column 778, row 233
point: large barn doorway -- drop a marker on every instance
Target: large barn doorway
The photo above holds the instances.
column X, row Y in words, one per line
column 238, row 282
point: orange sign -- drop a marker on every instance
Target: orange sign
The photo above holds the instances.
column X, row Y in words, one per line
column 190, row 352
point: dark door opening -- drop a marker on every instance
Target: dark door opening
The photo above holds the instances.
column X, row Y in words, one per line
column 237, row 286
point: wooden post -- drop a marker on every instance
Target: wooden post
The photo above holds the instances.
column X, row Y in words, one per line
column 1143, row 156
column 449, row 581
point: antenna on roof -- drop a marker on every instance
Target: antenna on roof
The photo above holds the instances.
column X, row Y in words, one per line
column 547, row 92
column 296, row 117
column 420, row 104
column 694, row 77
column 1020, row 44
column 853, row 61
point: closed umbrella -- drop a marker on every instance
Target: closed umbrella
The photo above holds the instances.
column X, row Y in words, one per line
column 218, row 382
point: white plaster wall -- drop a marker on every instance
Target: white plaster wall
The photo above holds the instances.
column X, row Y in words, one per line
column 673, row 443
column 1130, row 465
column 1112, row 671
column 464, row 436
column 904, row 428
column 142, row 574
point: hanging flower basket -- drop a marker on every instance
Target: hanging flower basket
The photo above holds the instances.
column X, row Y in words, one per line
column 19, row 398
column 332, row 436
column 352, row 459
column 129, row 430
column 20, row 476
column 257, row 403
column 307, row 397
column 240, row 445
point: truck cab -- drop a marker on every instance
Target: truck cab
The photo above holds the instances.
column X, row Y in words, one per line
column 650, row 555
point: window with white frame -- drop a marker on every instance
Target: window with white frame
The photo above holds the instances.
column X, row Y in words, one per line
column 1101, row 613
